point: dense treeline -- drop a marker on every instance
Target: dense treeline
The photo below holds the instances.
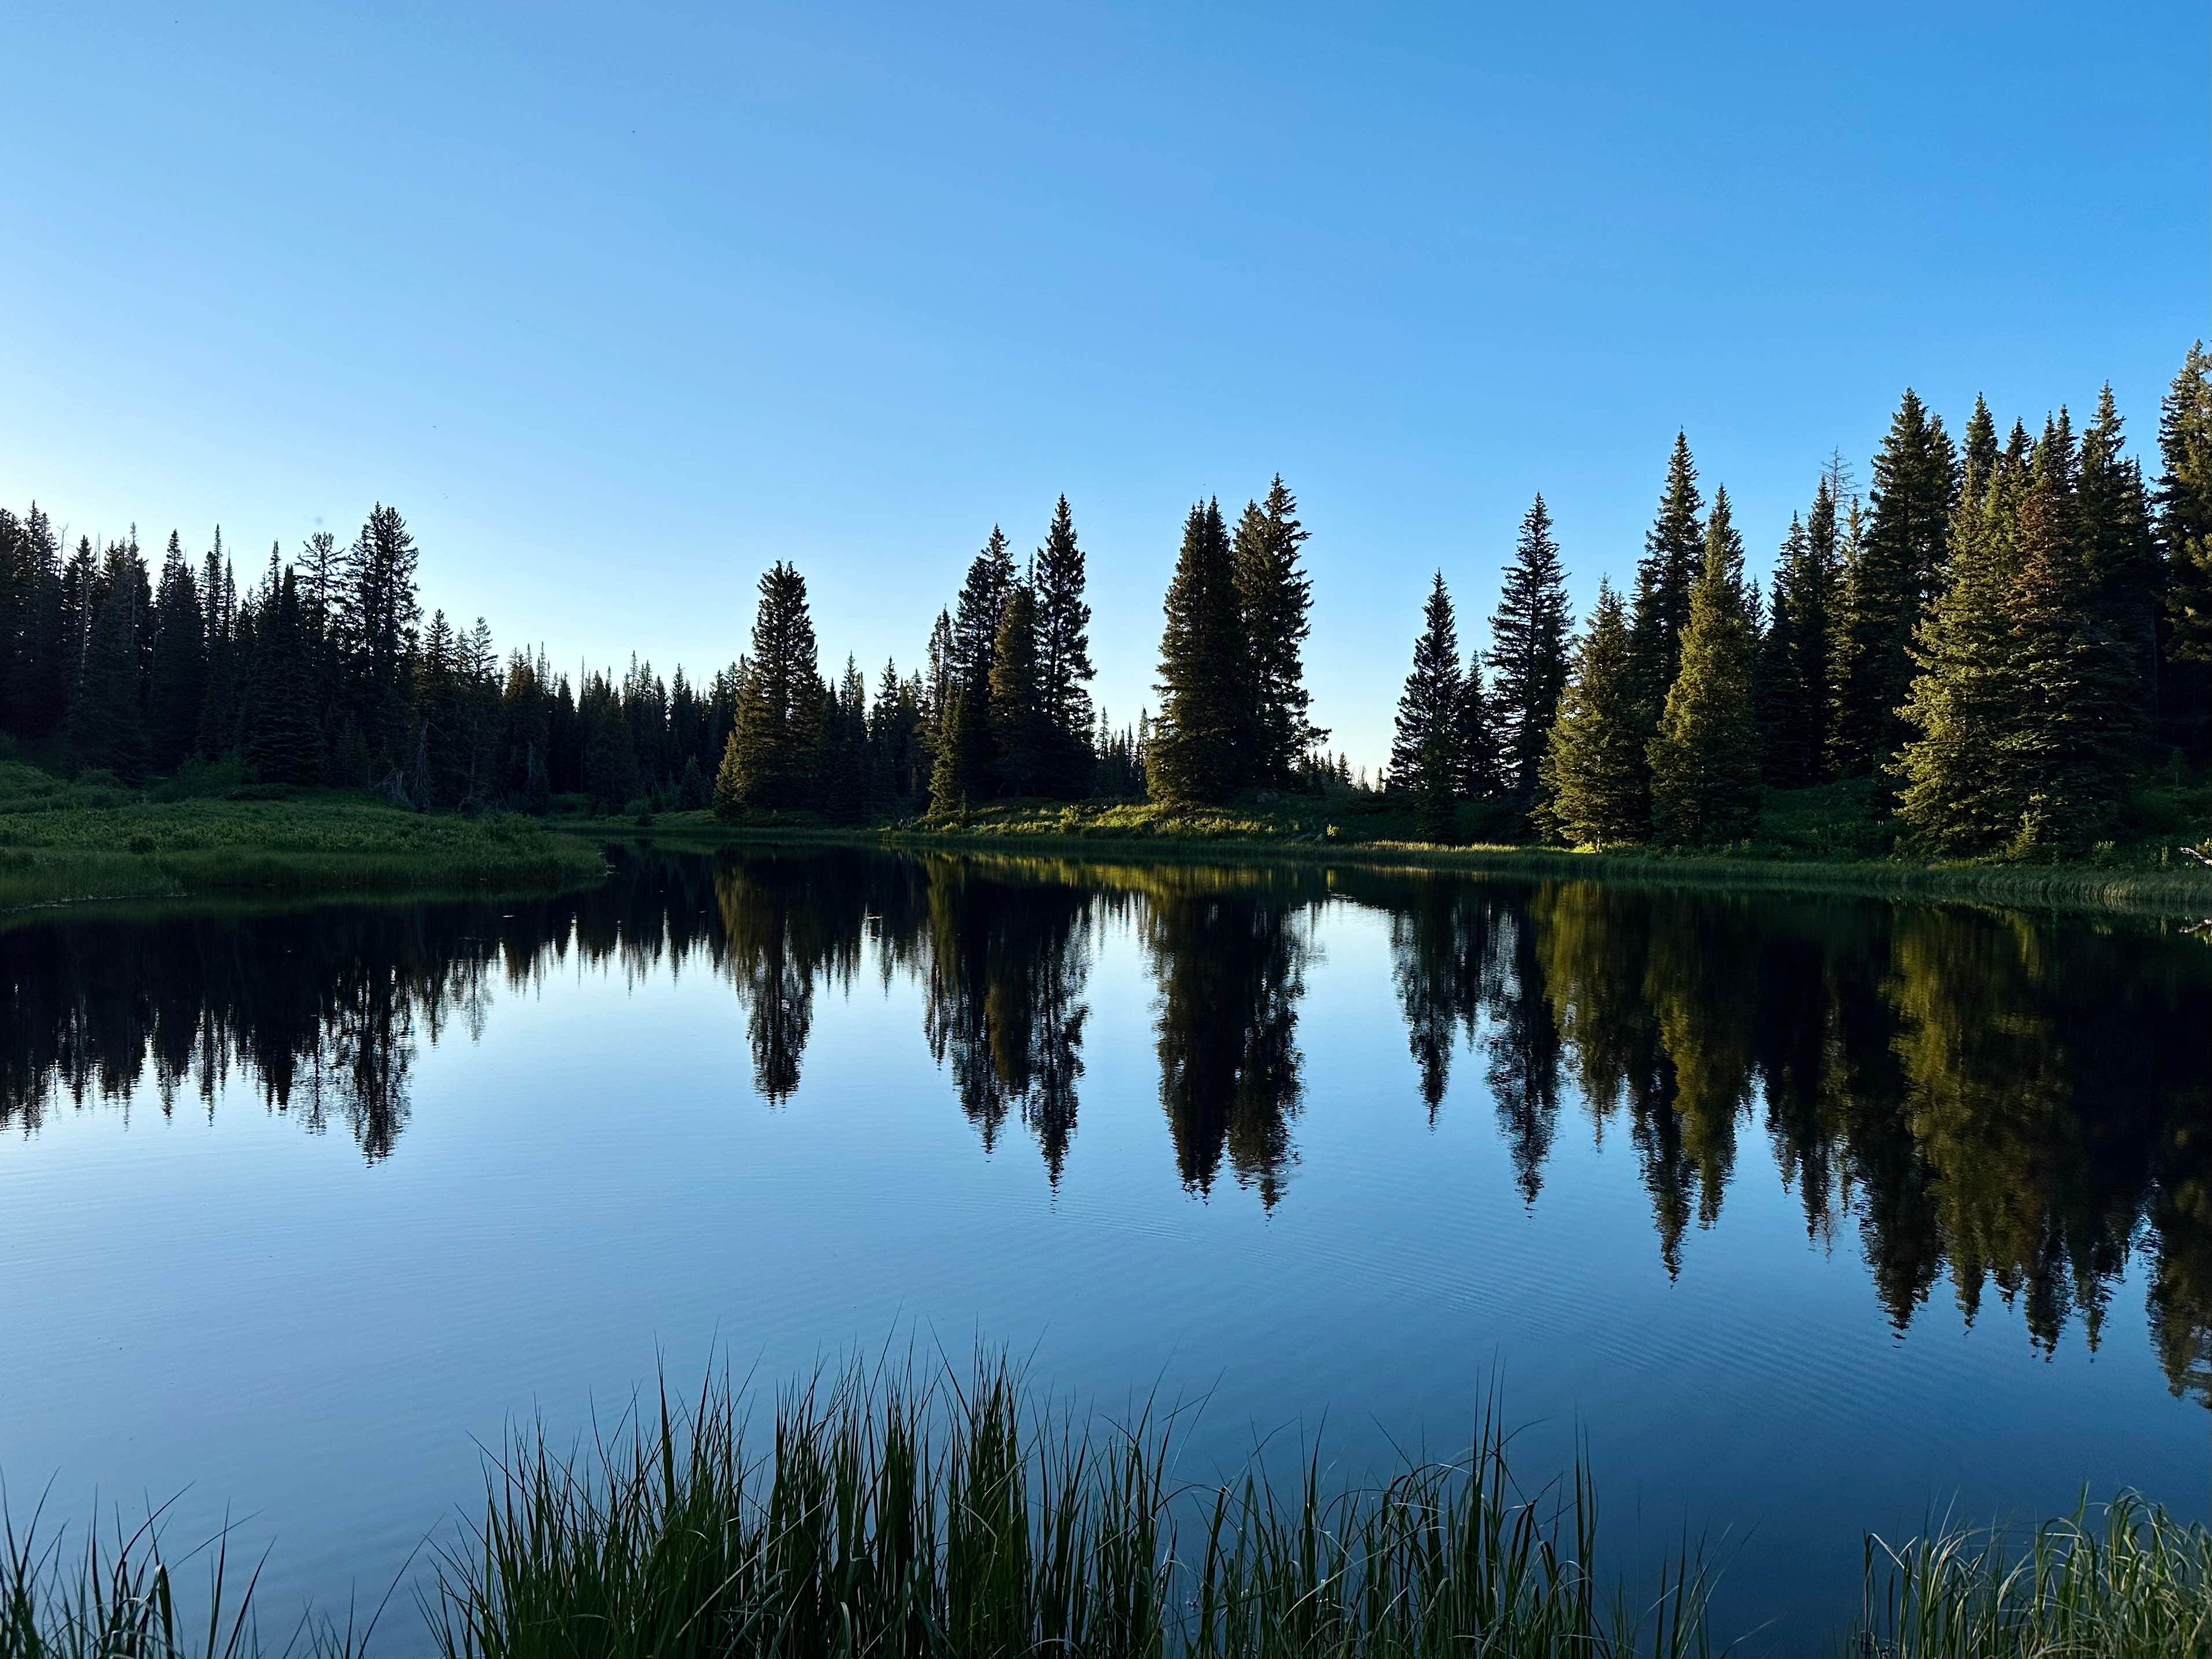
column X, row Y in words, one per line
column 323, row 672
column 1999, row 637
column 1941, row 1083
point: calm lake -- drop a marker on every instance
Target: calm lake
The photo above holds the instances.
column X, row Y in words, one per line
column 1808, row 1215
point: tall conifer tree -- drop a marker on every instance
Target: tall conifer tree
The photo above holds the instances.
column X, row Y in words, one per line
column 1064, row 669
column 1704, row 760
column 1425, row 750
column 2117, row 553
column 777, row 721
column 2185, row 533
column 1966, row 695
column 1199, row 743
column 1891, row 582
column 1529, row 645
column 1596, row 783
column 177, row 679
column 1673, row 548
column 1021, row 734
column 1275, row 595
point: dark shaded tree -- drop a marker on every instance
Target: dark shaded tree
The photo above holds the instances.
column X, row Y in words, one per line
column 1200, row 741
column 1424, row 747
column 1529, row 640
column 1275, row 596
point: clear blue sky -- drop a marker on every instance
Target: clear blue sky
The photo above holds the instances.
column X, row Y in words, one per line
column 617, row 304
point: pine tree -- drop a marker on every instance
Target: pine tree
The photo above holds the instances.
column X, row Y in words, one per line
column 1478, row 758
column 1785, row 760
column 1425, row 750
column 1966, row 695
column 1596, row 791
column 1199, row 742
column 378, row 614
column 2065, row 755
column 1528, row 643
column 777, row 720
column 1021, row 735
column 1063, row 652
column 177, row 679
column 1275, row 596
column 1704, row 760
column 106, row 727
column 283, row 745
column 1673, row 548
column 951, row 769
column 1891, row 584
column 981, row 609
column 2118, row 554
column 2184, row 534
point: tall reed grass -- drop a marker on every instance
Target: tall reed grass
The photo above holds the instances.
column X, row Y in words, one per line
column 891, row 1512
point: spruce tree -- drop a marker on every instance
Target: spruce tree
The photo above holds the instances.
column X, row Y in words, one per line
column 2064, row 756
column 177, row 678
column 1966, row 695
column 1275, row 596
column 778, row 718
column 1199, row 742
column 982, row 608
column 2118, row 553
column 1021, row 735
column 378, row 614
column 106, row 728
column 1704, row 760
column 283, row 745
column 951, row 770
column 1673, row 548
column 1478, row 756
column 1785, row 760
column 1596, row 791
column 1891, row 582
column 1424, row 750
column 2184, row 534
column 1528, row 643
column 1063, row 660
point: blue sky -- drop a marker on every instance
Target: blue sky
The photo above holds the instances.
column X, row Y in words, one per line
column 619, row 304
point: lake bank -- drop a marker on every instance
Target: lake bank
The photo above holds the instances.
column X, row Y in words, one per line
column 63, row 844
column 2180, row 890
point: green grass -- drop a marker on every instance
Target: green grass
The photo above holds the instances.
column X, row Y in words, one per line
column 1823, row 840
column 61, row 842
column 890, row 1511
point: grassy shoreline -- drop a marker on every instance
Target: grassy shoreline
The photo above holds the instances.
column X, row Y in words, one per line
column 2179, row 891
column 894, row 1510
column 63, row 844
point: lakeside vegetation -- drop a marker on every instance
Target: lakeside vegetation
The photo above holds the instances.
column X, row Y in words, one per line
column 2001, row 650
column 894, row 1511
column 64, row 842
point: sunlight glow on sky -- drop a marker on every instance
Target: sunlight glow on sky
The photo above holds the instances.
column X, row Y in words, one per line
column 619, row 304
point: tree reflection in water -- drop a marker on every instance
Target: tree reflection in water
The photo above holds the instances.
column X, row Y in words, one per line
column 2009, row 1103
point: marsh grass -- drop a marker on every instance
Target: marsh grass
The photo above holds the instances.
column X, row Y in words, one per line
column 895, row 1512
column 889, row 1511
column 119, row 1599
column 2122, row 1581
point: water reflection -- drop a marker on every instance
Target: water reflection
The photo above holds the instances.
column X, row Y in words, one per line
column 1986, row 1101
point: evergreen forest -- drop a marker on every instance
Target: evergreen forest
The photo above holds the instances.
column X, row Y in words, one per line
column 1986, row 651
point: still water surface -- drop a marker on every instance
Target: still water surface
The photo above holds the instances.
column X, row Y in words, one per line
column 1808, row 1215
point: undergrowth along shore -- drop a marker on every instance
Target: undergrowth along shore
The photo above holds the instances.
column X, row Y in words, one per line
column 2134, row 881
column 62, row 842
column 889, row 1512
